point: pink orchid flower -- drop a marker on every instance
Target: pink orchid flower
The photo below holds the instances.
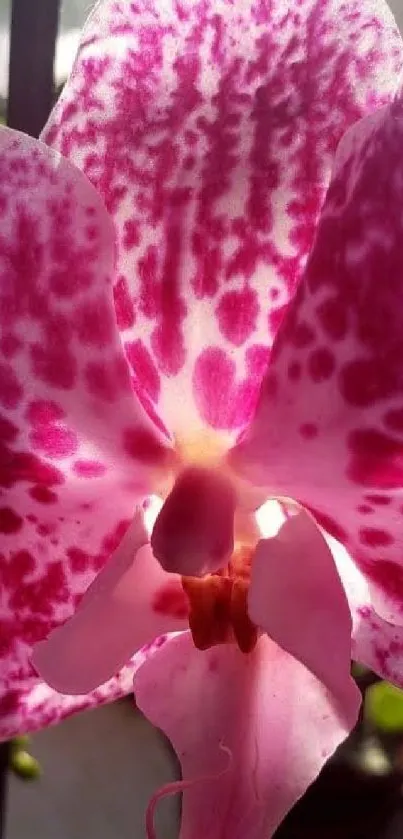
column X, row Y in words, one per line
column 148, row 254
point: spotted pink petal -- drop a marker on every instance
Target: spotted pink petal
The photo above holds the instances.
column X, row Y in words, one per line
column 32, row 705
column 297, row 597
column 262, row 717
column 123, row 610
column 375, row 643
column 329, row 426
column 209, row 129
column 77, row 451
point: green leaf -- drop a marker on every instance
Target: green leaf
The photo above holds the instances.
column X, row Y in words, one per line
column 383, row 707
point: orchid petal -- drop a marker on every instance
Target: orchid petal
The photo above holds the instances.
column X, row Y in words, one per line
column 297, row 597
column 273, row 718
column 77, row 450
column 329, row 424
column 32, row 705
column 209, row 129
column 119, row 614
column 375, row 643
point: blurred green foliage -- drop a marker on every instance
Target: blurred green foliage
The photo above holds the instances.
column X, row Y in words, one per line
column 383, row 707
column 22, row 763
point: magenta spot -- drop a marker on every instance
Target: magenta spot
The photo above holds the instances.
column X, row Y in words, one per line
column 23, row 563
column 321, row 364
column 10, row 522
column 257, row 359
column 308, row 430
column 89, row 468
column 141, row 444
column 302, row 335
column 365, row 509
column 221, row 400
column 388, row 575
column 170, row 600
column 43, row 494
column 144, row 370
column 108, row 380
column 381, row 500
column 333, row 318
column 168, row 347
column 237, row 313
column 41, row 412
column 10, row 345
column 365, row 381
column 123, row 305
column 95, row 323
column 394, row 419
column 131, row 234
column 374, row 537
column 8, row 431
column 24, row 466
column 10, row 388
column 54, row 441
column 376, row 459
column 79, row 560
column 54, row 365
column 294, row 371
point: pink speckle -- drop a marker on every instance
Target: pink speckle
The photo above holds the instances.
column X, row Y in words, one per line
column 375, row 537
column 302, row 335
column 365, row 509
column 131, row 236
column 387, row 575
column 308, row 430
column 10, row 388
column 222, row 401
column 169, row 349
column 394, row 419
column 54, row 365
column 43, row 494
column 376, row 460
column 123, row 305
column 140, row 444
column 41, row 413
column 89, row 468
column 332, row 314
column 78, row 559
column 321, row 364
column 10, row 522
column 95, row 323
column 365, row 381
column 144, row 370
column 108, row 380
column 237, row 312
column 294, row 371
column 381, row 500
column 54, row 440
column 24, row 466
column 10, row 345
column 8, row 431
